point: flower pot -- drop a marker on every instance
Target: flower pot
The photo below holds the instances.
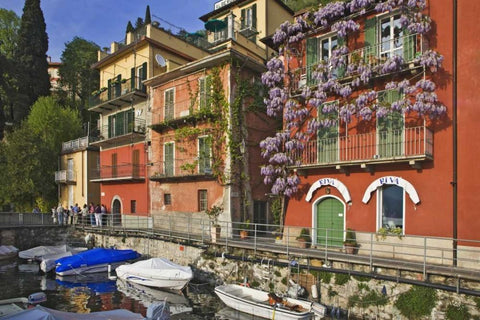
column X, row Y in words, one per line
column 243, row 234
column 215, row 233
column 350, row 248
column 302, row 243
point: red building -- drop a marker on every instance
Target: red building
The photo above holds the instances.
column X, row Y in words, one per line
column 386, row 135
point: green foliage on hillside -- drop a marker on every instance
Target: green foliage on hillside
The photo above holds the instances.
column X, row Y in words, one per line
column 297, row 5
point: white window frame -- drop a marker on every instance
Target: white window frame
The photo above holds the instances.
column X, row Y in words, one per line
column 380, row 206
column 392, row 50
column 202, row 200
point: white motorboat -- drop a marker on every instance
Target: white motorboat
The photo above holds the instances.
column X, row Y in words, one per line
column 47, row 262
column 36, row 253
column 156, row 272
column 266, row 305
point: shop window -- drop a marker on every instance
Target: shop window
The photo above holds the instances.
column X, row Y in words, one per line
column 391, row 207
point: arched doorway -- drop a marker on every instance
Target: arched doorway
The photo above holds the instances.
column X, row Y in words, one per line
column 116, row 212
column 329, row 221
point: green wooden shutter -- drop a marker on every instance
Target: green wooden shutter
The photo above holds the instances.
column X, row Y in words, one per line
column 109, row 89
column 130, row 120
column 118, row 86
column 132, row 79
column 202, row 93
column 143, row 76
column 254, row 16
column 408, row 46
column 110, row 127
column 168, row 158
column 343, row 68
column 120, row 124
column 242, row 19
column 370, row 38
column 390, row 128
column 312, row 58
column 169, row 102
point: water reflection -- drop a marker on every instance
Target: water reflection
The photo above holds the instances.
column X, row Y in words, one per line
column 98, row 292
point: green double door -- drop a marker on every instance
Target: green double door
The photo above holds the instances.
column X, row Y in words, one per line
column 330, row 222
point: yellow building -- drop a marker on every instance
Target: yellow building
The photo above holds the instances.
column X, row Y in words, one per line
column 73, row 176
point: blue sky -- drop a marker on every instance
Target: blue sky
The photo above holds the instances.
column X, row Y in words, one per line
column 104, row 21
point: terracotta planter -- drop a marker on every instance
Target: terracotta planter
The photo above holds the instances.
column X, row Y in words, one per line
column 350, row 248
column 243, row 234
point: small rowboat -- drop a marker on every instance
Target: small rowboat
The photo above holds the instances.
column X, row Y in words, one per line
column 266, row 305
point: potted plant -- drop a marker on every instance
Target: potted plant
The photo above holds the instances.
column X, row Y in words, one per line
column 350, row 244
column 213, row 214
column 304, row 239
column 244, row 227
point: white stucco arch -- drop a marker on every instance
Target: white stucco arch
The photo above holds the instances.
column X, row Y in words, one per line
column 329, row 182
column 407, row 186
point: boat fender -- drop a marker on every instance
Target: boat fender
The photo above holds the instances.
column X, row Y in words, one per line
column 37, row 297
column 314, row 291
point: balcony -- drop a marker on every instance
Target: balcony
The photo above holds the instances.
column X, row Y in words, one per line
column 119, row 133
column 373, row 56
column 181, row 169
column 75, row 145
column 412, row 145
column 124, row 172
column 119, row 94
column 65, row 176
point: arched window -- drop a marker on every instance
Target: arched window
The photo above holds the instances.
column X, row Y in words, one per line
column 390, row 206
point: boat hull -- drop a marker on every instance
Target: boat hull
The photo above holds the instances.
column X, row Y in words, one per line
column 255, row 302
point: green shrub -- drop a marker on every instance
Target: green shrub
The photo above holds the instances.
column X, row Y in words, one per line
column 354, row 300
column 341, row 278
column 284, row 281
column 416, row 302
column 361, row 278
column 331, row 292
column 363, row 286
column 277, row 273
column 457, row 313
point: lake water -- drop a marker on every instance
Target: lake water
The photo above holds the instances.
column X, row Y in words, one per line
column 98, row 292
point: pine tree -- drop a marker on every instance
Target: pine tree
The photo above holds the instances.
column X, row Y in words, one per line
column 129, row 27
column 31, row 58
column 148, row 17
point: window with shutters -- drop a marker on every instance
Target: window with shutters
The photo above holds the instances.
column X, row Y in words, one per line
column 385, row 37
column 121, row 123
column 327, row 136
column 138, row 75
column 169, row 100
column 390, row 129
column 168, row 155
column 203, row 93
column 248, row 22
column 204, row 155
column 221, row 34
column 321, row 49
column 167, row 199
column 114, row 165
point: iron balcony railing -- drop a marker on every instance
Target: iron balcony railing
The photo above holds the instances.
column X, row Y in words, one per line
column 408, row 47
column 409, row 143
column 65, row 176
column 74, row 145
column 126, row 171
column 181, row 168
column 117, row 90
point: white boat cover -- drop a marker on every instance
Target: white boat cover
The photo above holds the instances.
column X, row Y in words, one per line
column 5, row 249
column 157, row 268
column 43, row 313
column 40, row 251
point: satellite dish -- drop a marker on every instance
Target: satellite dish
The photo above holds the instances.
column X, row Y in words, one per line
column 160, row 60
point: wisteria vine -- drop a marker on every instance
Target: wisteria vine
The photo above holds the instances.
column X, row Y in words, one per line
column 352, row 98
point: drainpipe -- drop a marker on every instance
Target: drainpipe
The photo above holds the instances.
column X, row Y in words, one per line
column 454, row 127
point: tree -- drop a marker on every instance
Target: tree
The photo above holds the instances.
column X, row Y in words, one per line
column 31, row 59
column 30, row 154
column 148, row 17
column 129, row 27
column 297, row 5
column 9, row 25
column 78, row 80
